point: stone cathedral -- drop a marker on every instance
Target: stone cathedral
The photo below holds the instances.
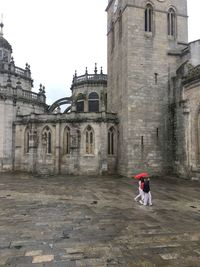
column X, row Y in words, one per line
column 144, row 115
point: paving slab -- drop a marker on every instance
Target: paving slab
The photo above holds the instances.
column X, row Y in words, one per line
column 61, row 221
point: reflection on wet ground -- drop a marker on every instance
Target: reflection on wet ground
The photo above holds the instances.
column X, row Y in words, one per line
column 95, row 222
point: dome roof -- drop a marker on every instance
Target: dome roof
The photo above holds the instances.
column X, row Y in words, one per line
column 5, row 44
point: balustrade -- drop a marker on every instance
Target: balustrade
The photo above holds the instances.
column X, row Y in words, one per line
column 14, row 92
column 9, row 68
column 91, row 78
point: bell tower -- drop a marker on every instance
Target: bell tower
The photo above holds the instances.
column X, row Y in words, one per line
column 145, row 44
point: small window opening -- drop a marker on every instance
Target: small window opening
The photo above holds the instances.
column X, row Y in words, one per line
column 171, row 22
column 142, row 140
column 157, row 133
column 111, row 141
column 148, row 18
column 156, row 78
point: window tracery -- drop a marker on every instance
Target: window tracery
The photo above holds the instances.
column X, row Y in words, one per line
column 93, row 102
column 89, row 138
column 47, row 140
column 67, row 138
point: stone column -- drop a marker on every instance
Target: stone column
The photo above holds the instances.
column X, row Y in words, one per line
column 57, row 147
column 33, row 144
column 75, row 148
column 103, row 156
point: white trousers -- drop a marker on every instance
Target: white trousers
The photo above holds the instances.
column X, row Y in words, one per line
column 147, row 199
column 140, row 195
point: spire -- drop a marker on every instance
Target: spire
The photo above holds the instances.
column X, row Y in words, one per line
column 95, row 68
column 40, row 89
column 43, row 90
column 1, row 25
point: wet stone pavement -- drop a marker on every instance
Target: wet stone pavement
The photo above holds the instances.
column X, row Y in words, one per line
column 94, row 222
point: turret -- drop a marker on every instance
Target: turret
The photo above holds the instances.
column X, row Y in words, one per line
column 5, row 47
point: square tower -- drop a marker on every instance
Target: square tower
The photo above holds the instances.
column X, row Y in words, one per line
column 145, row 40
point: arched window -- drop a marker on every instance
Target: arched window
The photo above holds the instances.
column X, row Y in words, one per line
column 148, row 18
column 27, row 140
column 111, row 133
column 171, row 22
column 80, row 103
column 89, row 139
column 47, row 140
column 66, row 144
column 93, row 102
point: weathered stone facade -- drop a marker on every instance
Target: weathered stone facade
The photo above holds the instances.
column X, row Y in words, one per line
column 76, row 140
column 16, row 98
column 143, row 116
column 140, row 64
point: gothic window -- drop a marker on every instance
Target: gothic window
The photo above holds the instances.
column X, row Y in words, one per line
column 148, row 18
column 111, row 133
column 27, row 139
column 89, row 139
column 47, row 140
column 80, row 103
column 171, row 22
column 93, row 102
column 1, row 54
column 66, row 145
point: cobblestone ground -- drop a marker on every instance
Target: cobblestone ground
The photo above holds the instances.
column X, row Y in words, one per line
column 94, row 222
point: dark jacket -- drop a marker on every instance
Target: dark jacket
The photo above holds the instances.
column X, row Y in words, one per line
column 146, row 188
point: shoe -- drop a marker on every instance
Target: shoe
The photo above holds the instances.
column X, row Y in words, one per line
column 135, row 199
column 141, row 202
column 151, row 204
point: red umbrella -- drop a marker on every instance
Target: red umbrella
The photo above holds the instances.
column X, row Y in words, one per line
column 141, row 175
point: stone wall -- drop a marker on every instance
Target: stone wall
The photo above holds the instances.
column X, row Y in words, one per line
column 10, row 106
column 77, row 161
column 140, row 66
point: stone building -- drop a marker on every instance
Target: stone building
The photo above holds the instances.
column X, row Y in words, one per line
column 143, row 115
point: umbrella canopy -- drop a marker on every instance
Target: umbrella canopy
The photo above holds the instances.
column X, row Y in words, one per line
column 141, row 175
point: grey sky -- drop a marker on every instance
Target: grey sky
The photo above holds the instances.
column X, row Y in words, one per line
column 57, row 37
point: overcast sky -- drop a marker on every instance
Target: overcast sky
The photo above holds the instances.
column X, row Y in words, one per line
column 57, row 37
